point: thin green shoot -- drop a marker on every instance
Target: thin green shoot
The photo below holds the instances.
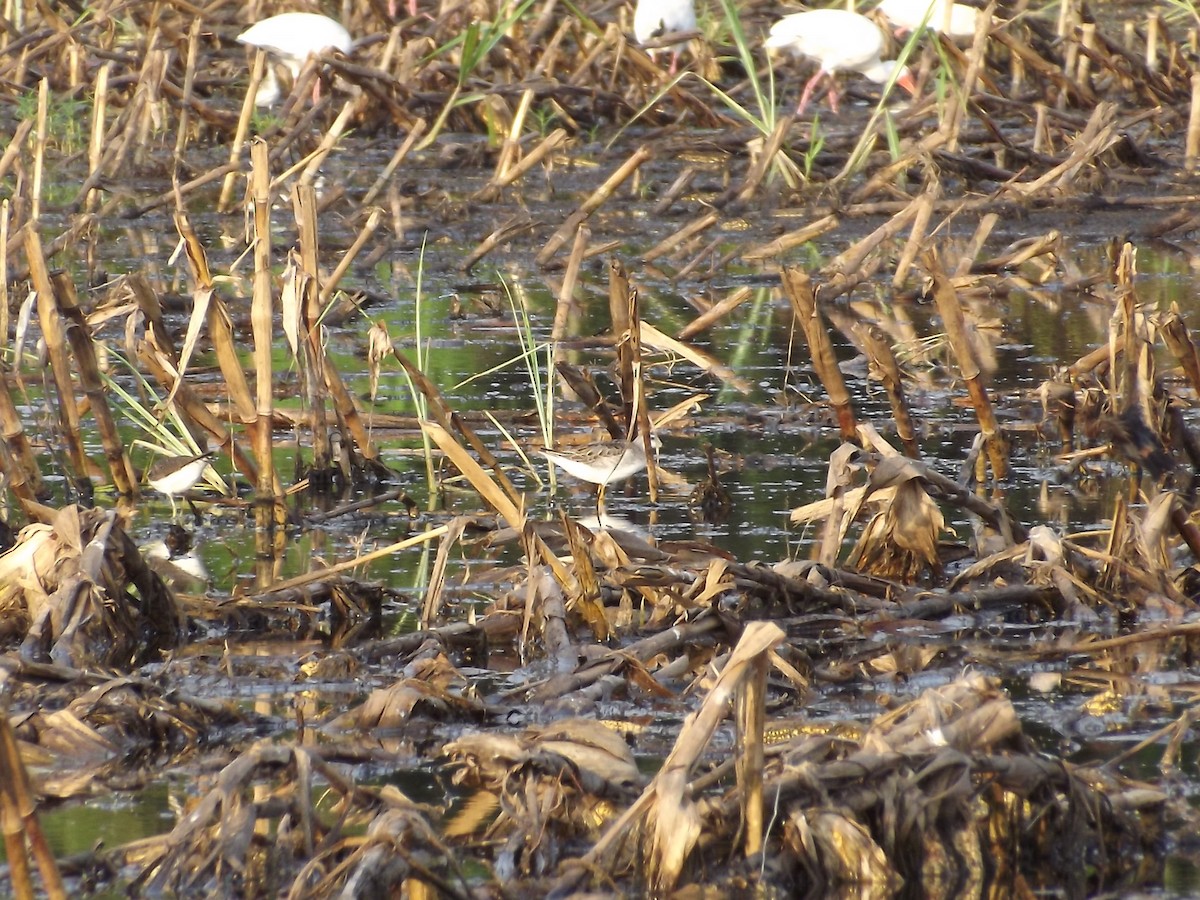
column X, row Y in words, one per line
column 476, row 41
column 421, row 360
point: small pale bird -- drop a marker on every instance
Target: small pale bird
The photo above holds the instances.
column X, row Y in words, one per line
column 176, row 475
column 839, row 41
column 601, row 462
column 293, row 38
column 654, row 18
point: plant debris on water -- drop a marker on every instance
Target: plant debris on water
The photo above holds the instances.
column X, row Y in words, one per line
column 285, row 339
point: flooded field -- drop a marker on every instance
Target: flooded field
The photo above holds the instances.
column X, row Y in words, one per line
column 900, row 598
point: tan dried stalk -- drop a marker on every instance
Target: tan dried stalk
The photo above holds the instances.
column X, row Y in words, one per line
column 684, row 234
column 84, row 351
column 671, row 821
column 312, row 352
column 96, row 142
column 619, row 309
column 189, row 79
column 884, row 365
column 19, row 463
column 597, row 199
column 751, row 703
column 566, row 291
column 234, row 166
column 18, row 818
column 516, row 224
column 584, row 590
column 792, row 239
column 437, row 578
column 552, row 142
column 1179, row 341
column 485, row 486
column 953, row 322
column 385, row 176
column 715, row 313
column 39, row 151
column 799, row 290
column 56, row 348
column 452, row 422
column 766, row 156
column 207, row 309
column 261, row 318
column 952, row 125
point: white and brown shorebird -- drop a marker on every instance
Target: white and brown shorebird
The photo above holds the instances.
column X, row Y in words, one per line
column 174, row 476
column 292, row 38
column 839, row 41
column 652, row 19
column 602, row 462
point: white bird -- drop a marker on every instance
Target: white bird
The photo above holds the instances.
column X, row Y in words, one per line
column 293, row 38
column 654, row 18
column 840, row 41
column 955, row 20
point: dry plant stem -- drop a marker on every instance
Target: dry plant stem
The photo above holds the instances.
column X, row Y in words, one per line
column 402, row 151
column 18, row 817
column 641, row 411
column 1192, row 147
column 671, row 825
column 918, row 236
column 619, row 309
column 566, row 292
column 437, row 578
column 1179, row 341
column 584, row 387
column 329, row 285
column 96, row 142
column 261, row 316
column 885, row 366
column 220, row 329
column 552, row 142
column 329, row 140
column 516, row 224
column 189, row 78
column 956, row 333
column 751, row 721
column 13, row 150
column 474, row 473
column 304, row 200
column 452, row 422
column 56, row 347
column 762, row 165
column 84, row 351
column 232, row 170
column 792, row 239
column 512, row 140
column 687, row 232
column 715, row 313
column 967, row 261
column 20, row 464
column 591, row 204
column 799, row 290
column 39, row 151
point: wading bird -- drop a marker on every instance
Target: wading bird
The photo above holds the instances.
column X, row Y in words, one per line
column 293, row 38
column 176, row 475
column 839, row 41
column 955, row 20
column 601, row 462
column 654, row 18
